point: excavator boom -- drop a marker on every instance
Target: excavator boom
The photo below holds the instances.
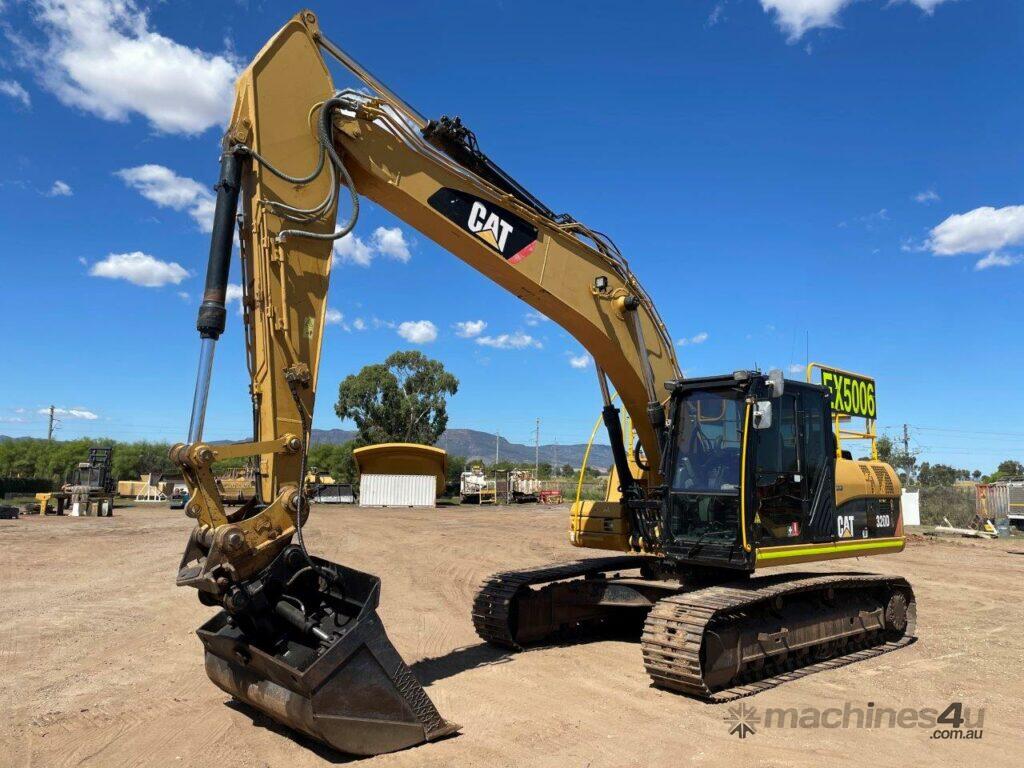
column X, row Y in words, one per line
column 299, row 637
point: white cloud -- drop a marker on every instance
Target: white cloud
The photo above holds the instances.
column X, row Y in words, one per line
column 468, row 329
column 385, row 241
column 359, row 324
column 139, row 269
column 60, row 189
column 579, row 361
column 70, row 413
column 102, row 56
column 977, row 231
column 418, row 331
column 795, row 17
column 391, row 243
column 333, row 316
column 700, row 338
column 184, row 295
column 797, row 368
column 927, row 196
column 234, row 292
column 350, row 249
column 14, row 89
column 872, row 220
column 996, row 260
column 517, row 340
column 534, row 318
column 928, row 6
column 717, row 14
column 162, row 186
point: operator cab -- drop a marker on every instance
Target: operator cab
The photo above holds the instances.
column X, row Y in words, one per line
column 776, row 435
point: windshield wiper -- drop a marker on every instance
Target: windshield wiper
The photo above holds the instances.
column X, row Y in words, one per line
column 700, row 542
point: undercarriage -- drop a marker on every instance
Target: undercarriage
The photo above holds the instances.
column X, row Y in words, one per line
column 715, row 642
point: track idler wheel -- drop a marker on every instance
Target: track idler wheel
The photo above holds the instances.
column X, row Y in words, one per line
column 896, row 613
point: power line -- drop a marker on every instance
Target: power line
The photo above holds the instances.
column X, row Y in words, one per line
column 958, row 431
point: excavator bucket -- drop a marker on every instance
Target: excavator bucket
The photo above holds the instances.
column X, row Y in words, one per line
column 320, row 662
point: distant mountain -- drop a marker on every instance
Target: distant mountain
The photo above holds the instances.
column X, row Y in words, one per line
column 480, row 445
column 331, row 436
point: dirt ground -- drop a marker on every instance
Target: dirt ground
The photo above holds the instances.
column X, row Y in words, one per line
column 100, row 666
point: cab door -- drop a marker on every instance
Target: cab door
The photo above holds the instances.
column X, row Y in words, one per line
column 779, row 481
column 817, row 459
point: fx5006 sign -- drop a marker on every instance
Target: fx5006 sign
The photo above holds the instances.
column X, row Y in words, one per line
column 852, row 395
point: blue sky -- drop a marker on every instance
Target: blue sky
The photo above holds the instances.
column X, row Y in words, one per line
column 776, row 171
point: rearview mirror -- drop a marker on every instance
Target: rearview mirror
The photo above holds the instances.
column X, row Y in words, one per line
column 776, row 381
column 762, row 414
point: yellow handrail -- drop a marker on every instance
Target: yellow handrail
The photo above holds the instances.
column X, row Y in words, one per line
column 586, row 454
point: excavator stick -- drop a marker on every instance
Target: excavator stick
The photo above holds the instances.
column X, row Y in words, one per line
column 298, row 638
column 316, row 657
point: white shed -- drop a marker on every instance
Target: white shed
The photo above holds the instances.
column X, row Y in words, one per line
column 397, row 491
column 400, row 475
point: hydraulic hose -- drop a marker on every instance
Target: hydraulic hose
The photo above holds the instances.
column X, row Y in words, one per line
column 326, row 139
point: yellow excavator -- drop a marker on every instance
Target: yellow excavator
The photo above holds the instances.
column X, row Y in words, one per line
column 728, row 475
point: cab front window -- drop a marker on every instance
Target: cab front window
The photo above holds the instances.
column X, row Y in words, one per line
column 709, row 442
column 705, row 483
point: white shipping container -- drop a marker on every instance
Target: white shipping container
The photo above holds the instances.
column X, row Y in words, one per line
column 397, row 491
column 910, row 504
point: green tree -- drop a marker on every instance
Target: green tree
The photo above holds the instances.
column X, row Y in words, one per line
column 402, row 400
column 334, row 460
column 1007, row 469
column 904, row 463
column 567, row 470
column 456, row 466
column 941, row 474
column 134, row 459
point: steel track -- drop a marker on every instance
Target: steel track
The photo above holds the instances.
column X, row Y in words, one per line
column 675, row 629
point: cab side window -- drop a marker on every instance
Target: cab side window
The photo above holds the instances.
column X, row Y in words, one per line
column 814, row 433
column 779, row 494
column 777, row 445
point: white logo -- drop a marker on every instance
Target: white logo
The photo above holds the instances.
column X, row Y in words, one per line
column 488, row 226
column 845, row 526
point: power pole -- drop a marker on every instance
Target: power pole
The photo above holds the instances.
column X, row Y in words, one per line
column 536, row 451
column 49, row 427
column 906, row 451
column 497, row 444
column 557, row 470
